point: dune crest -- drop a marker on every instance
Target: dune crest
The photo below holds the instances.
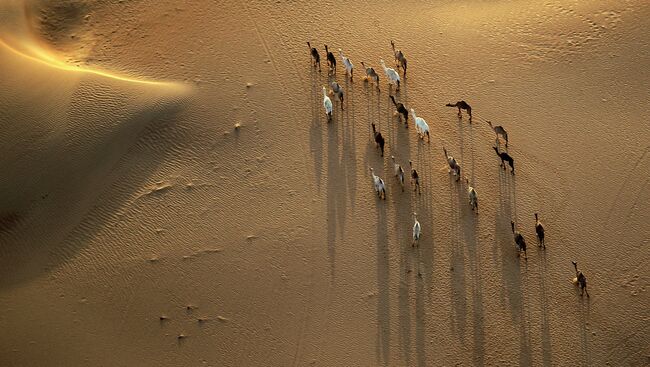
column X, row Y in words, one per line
column 38, row 31
column 66, row 129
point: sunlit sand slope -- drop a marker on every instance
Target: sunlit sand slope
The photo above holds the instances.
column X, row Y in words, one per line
column 63, row 129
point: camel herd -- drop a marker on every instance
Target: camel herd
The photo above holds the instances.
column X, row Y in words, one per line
column 422, row 130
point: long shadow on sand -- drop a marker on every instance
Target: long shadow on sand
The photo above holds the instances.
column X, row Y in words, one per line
column 341, row 159
column 348, row 121
column 420, row 325
column 383, row 279
column 315, row 132
column 423, row 255
column 511, row 265
column 373, row 159
column 585, row 308
column 336, row 193
column 543, row 296
column 470, row 225
column 457, row 266
column 403, row 198
column 468, row 221
column 478, row 331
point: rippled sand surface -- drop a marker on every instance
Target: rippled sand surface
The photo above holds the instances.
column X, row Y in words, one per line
column 172, row 194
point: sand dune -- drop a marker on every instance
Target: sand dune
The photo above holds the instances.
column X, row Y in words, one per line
column 134, row 212
column 64, row 131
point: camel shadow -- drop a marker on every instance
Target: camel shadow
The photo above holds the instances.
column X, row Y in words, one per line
column 335, row 210
column 457, row 265
column 383, row 284
column 315, row 132
column 420, row 325
column 469, row 223
column 403, row 228
column 471, row 239
column 424, row 254
column 585, row 309
column 336, row 193
column 512, row 265
column 546, row 329
column 348, row 121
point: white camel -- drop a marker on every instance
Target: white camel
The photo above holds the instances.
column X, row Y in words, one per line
column 417, row 231
column 380, row 187
column 327, row 103
column 349, row 67
column 391, row 74
column 421, row 126
column 473, row 197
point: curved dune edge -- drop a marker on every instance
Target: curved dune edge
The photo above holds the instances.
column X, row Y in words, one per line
column 19, row 36
column 30, row 73
column 42, row 56
column 30, row 58
column 64, row 137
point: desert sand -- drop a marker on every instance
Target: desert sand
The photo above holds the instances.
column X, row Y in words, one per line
column 140, row 227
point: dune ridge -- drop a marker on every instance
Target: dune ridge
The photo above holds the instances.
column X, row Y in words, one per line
column 64, row 131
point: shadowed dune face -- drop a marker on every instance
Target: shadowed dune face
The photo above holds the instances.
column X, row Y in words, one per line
column 59, row 25
column 64, row 27
column 63, row 130
column 55, row 19
column 8, row 221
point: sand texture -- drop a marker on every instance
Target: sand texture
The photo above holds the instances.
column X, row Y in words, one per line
column 173, row 195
